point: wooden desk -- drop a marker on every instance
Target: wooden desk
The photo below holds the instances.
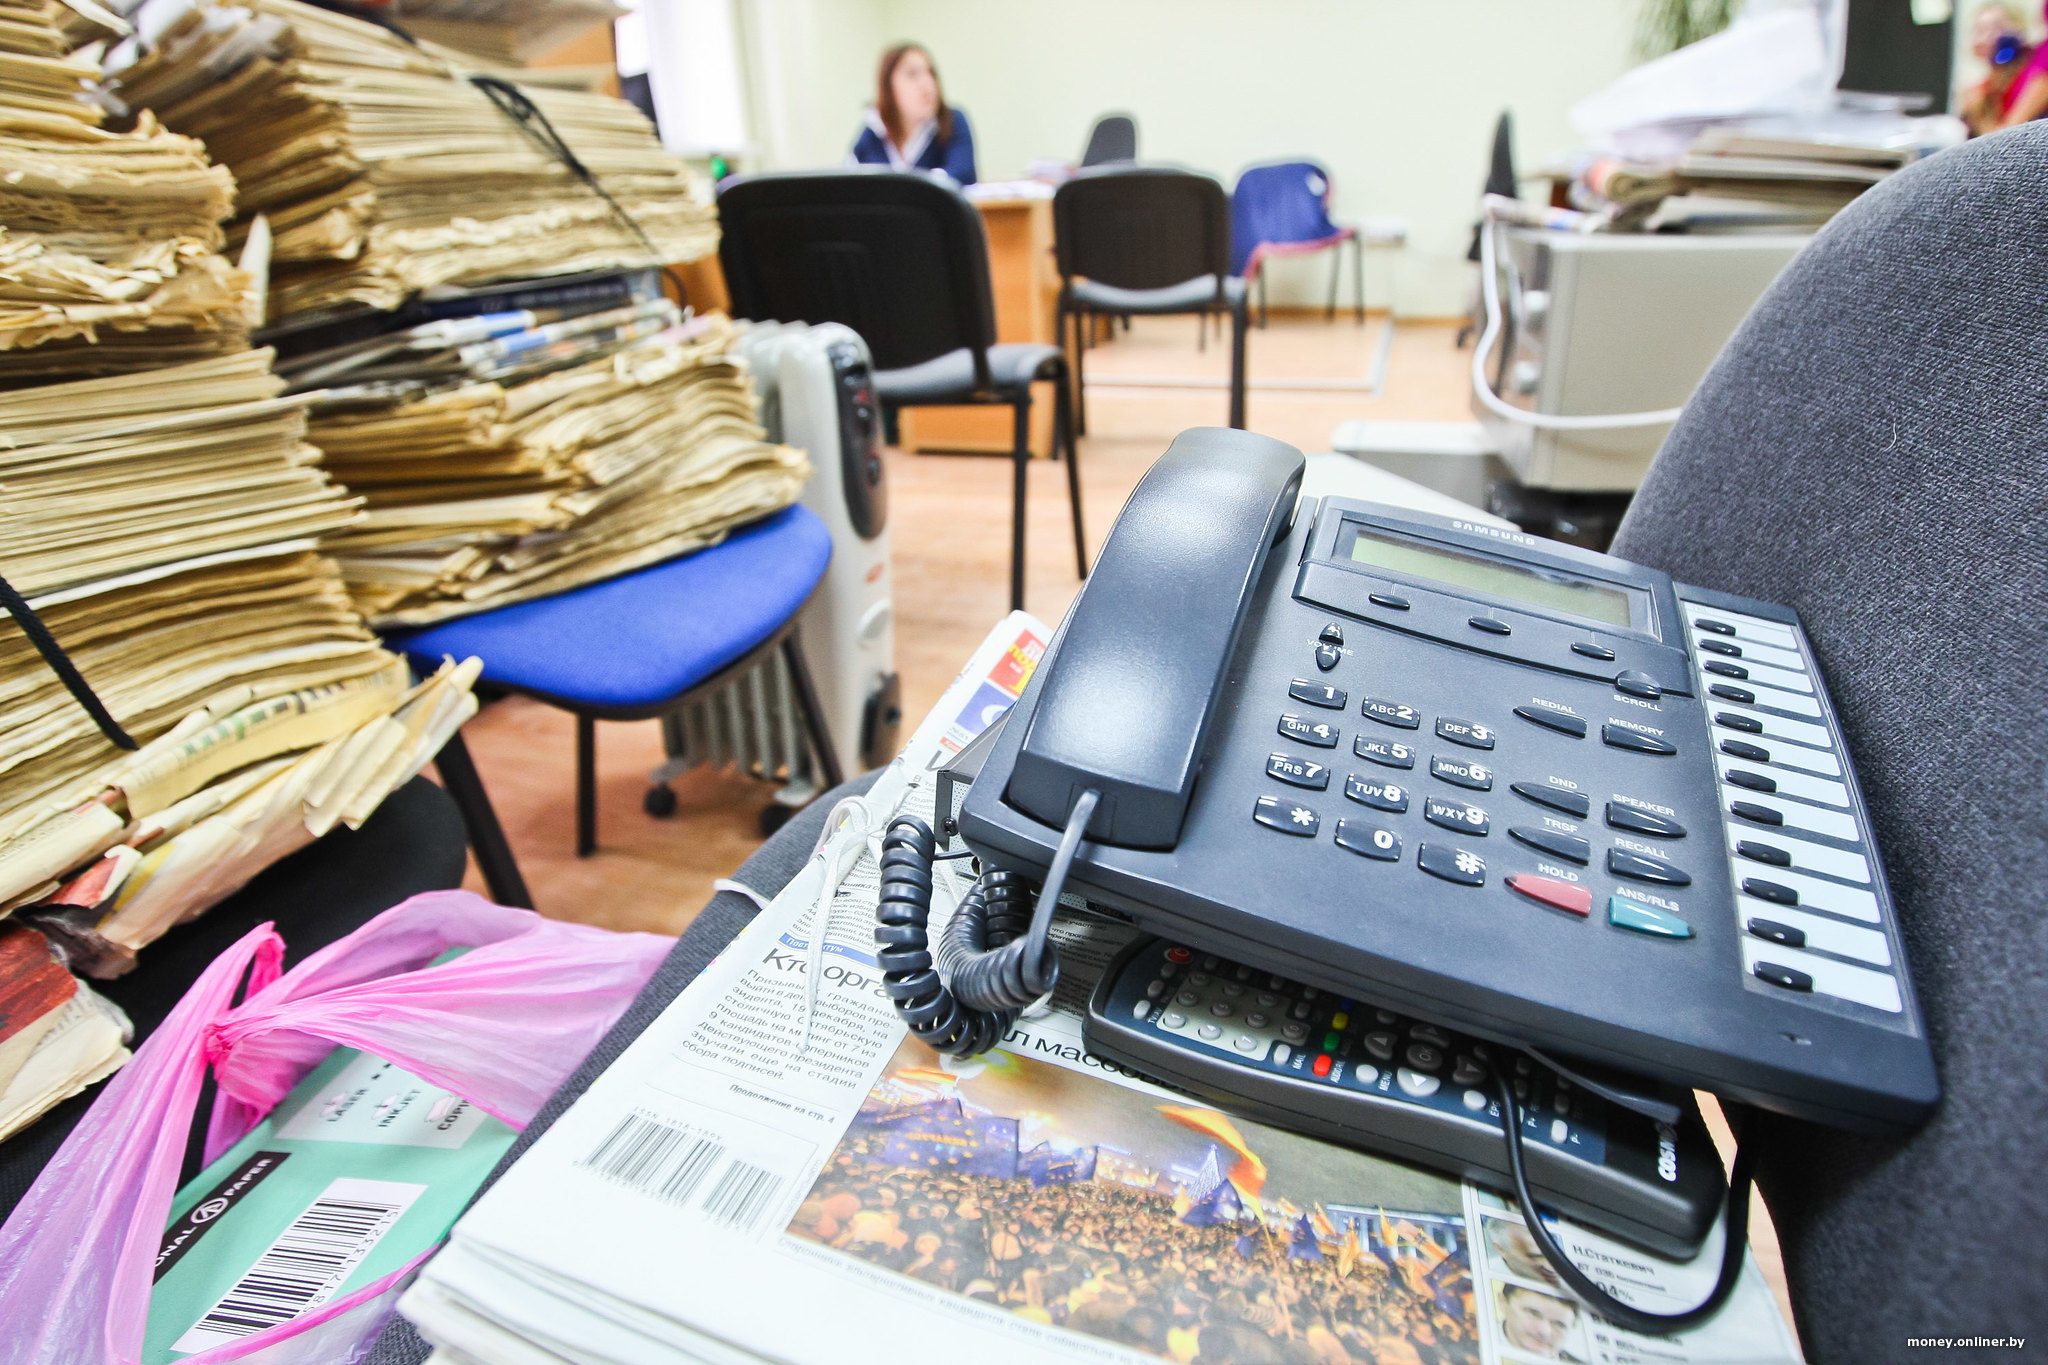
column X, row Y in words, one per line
column 1027, row 291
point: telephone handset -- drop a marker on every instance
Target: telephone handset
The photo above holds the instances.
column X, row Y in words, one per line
column 1146, row 649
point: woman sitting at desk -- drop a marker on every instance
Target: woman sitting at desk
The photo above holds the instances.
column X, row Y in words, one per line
column 910, row 127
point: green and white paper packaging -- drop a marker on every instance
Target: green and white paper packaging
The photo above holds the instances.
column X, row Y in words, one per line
column 360, row 1169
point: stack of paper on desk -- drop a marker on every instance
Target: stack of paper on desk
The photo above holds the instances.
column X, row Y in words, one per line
column 108, row 241
column 57, row 1035
column 383, row 170
column 485, row 494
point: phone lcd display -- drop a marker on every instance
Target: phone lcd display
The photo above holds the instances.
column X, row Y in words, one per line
column 1544, row 589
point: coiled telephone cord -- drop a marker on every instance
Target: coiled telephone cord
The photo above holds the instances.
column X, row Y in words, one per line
column 996, row 956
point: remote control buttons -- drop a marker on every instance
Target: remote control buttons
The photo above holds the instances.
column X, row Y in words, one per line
column 1416, row 1083
column 1645, row 919
column 1556, row 798
column 1566, row 896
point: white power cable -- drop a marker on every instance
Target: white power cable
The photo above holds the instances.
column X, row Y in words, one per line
column 1492, row 213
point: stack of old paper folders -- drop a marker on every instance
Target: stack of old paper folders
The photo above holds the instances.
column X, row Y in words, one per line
column 482, row 495
column 164, row 526
column 108, row 241
column 383, row 170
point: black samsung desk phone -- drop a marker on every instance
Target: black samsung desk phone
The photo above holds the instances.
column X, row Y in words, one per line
column 1463, row 794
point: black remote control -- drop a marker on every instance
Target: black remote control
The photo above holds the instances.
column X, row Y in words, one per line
column 1343, row 1070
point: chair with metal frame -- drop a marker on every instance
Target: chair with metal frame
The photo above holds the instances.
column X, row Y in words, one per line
column 647, row 644
column 902, row 259
column 1148, row 241
column 1283, row 209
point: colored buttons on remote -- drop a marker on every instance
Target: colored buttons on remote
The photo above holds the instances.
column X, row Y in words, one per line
column 1299, row 772
column 1452, row 863
column 1286, row 816
column 1564, row 722
column 1491, row 626
column 1623, row 913
column 1784, row 977
column 1319, row 733
column 1646, row 869
column 1587, row 649
column 1398, row 714
column 1469, row 733
column 1318, row 694
column 1556, row 798
column 1456, row 771
column 1621, row 737
column 1642, row 822
column 1457, row 815
column 1566, row 896
column 1636, row 683
column 1328, row 657
column 1385, row 752
column 1369, row 841
column 1565, row 846
column 1368, row 791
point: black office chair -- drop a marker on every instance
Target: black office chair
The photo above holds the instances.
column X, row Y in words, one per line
column 902, row 260
column 1151, row 241
column 1113, row 138
column 1871, row 449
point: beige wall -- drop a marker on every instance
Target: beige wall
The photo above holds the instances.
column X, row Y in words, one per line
column 1396, row 97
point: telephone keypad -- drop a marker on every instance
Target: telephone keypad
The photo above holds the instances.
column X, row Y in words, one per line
column 1367, row 791
column 1469, row 733
column 1452, row 863
column 1319, row 733
column 1457, row 815
column 1385, row 752
column 1289, row 817
column 1398, row 714
column 1370, row 841
column 1318, row 694
column 1456, row 771
column 1299, row 772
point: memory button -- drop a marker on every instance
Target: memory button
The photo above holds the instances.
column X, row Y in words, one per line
column 1755, row 814
column 1769, row 891
column 1621, row 737
column 1764, row 853
column 1748, row 753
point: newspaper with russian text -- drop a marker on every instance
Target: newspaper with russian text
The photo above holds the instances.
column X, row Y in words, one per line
column 775, row 1171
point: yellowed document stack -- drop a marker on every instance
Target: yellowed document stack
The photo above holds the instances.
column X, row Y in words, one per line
column 109, row 241
column 482, row 495
column 383, row 170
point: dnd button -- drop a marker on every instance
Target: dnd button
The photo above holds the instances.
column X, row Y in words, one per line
column 1452, row 863
column 1565, row 846
column 1642, row 822
column 1299, row 772
column 1457, row 815
column 1727, row 693
column 1387, row 600
column 1564, row 722
column 1749, row 725
column 1333, row 634
column 1621, row 737
column 1623, row 913
column 1416, row 1083
column 1748, row 753
column 1784, row 935
column 1369, row 841
column 1318, row 694
column 1592, row 651
column 1386, row 796
column 1782, row 976
column 1725, row 669
column 1755, row 814
column 1474, row 776
column 1769, row 891
column 1491, row 626
column 1756, row 782
column 1469, row 733
column 1559, row 895
column 1286, row 816
column 1385, row 752
column 1646, row 869
column 1557, row 799
column 1319, row 733
column 1328, row 657
column 1637, row 684
column 1398, row 714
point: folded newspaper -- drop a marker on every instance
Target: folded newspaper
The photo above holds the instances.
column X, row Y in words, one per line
column 775, row 1171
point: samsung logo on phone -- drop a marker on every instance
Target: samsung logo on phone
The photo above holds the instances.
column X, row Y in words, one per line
column 1493, row 531
column 1667, row 1153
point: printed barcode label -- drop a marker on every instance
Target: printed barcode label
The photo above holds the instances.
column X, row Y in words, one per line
column 742, row 1195
column 664, row 1159
column 306, row 1264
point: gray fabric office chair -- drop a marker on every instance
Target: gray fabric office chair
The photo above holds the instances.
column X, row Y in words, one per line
column 1872, row 450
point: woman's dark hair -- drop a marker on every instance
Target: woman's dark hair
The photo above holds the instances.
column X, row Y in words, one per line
column 885, row 93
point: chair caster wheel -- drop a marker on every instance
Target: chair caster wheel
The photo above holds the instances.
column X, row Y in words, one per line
column 659, row 801
column 774, row 816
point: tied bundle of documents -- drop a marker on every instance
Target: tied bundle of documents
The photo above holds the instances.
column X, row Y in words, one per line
column 483, row 494
column 502, row 32
column 1729, row 179
column 109, row 241
column 57, row 1035
column 383, row 170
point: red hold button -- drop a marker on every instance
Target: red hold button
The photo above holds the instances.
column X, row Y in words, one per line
column 1323, row 1065
column 1563, row 895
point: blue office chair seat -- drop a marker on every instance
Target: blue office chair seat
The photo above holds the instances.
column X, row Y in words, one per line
column 639, row 645
column 950, row 378
column 1185, row 297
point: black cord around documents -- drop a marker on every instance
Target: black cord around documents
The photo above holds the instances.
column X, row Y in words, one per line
column 60, row 663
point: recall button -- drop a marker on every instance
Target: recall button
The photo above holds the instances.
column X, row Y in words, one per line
column 1397, row 714
column 1276, row 812
column 1472, row 776
column 1561, row 721
column 1469, row 733
column 1646, row 869
column 1623, row 913
column 1621, row 737
column 1451, row 863
column 1299, row 772
column 1558, row 895
column 1319, row 733
column 1318, row 694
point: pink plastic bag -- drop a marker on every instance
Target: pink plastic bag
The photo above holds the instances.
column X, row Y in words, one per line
column 502, row 1026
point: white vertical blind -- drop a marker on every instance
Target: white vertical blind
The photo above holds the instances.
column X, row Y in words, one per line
column 693, row 66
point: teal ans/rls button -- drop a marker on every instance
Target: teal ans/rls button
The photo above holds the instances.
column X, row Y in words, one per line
column 1645, row 919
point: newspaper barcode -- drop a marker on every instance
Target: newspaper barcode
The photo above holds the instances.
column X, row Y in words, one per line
column 648, row 1155
column 309, row 1259
column 742, row 1195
